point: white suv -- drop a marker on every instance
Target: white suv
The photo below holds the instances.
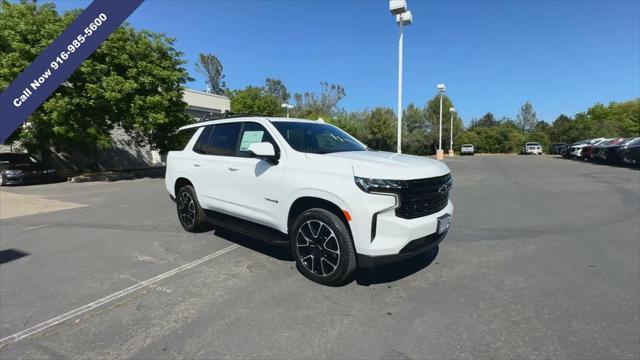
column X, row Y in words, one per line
column 531, row 148
column 310, row 186
column 467, row 149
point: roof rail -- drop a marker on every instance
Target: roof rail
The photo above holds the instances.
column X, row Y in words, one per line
column 227, row 115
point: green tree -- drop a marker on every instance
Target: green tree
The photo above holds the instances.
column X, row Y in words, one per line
column 432, row 112
column 381, row 129
column 627, row 115
column 311, row 105
column 527, row 118
column 487, row 120
column 253, row 100
column 416, row 136
column 561, row 128
column 277, row 88
column 210, row 66
column 134, row 81
column 352, row 122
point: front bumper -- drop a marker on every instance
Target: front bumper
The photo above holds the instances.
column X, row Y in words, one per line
column 26, row 179
column 576, row 152
column 413, row 248
column 391, row 235
column 533, row 151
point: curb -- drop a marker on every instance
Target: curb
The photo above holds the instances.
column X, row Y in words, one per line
column 110, row 176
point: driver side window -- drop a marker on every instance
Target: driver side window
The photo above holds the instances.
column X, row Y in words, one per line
column 254, row 133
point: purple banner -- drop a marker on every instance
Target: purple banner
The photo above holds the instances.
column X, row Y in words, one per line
column 58, row 61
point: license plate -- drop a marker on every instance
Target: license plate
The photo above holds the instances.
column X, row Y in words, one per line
column 443, row 223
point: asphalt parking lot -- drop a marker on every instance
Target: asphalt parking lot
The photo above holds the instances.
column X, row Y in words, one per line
column 542, row 261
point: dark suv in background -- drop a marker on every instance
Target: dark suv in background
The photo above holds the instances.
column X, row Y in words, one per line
column 558, row 148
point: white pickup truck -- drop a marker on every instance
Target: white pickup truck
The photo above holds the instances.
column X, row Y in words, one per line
column 310, row 186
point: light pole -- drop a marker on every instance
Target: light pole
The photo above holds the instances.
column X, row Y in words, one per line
column 287, row 106
column 403, row 17
column 452, row 111
column 440, row 153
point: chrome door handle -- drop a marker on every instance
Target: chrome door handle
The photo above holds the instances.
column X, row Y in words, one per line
column 197, row 164
column 233, row 167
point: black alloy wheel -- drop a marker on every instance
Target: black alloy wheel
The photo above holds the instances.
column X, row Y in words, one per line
column 322, row 246
column 190, row 214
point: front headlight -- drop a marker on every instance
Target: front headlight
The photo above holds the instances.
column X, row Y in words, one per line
column 379, row 185
column 13, row 172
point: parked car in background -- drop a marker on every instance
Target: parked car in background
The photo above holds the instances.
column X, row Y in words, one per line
column 531, row 148
column 21, row 168
column 572, row 148
column 630, row 154
column 575, row 149
column 587, row 151
column 467, row 149
column 598, row 151
column 557, row 148
column 610, row 153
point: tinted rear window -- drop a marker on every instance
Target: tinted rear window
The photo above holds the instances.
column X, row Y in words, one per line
column 219, row 139
column 183, row 137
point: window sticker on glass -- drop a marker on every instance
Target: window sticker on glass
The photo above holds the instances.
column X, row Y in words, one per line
column 250, row 137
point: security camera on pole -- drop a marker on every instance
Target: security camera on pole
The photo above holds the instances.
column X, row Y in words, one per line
column 440, row 153
column 452, row 111
column 403, row 17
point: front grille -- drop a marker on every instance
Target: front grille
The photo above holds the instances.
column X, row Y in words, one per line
column 423, row 197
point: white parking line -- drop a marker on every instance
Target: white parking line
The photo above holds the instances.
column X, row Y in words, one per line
column 66, row 316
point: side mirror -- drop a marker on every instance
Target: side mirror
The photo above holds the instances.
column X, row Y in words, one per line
column 264, row 151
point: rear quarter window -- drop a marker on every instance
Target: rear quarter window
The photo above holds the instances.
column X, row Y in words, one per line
column 183, row 137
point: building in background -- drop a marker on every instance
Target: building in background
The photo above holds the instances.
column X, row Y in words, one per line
column 121, row 154
column 200, row 104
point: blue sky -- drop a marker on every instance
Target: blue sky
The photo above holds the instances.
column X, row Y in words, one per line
column 562, row 56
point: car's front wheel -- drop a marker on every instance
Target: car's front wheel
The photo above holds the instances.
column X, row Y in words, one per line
column 322, row 247
column 190, row 214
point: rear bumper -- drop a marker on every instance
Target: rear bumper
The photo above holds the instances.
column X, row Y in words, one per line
column 413, row 248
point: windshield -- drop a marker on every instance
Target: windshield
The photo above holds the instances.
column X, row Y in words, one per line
column 533, row 144
column 635, row 141
column 317, row 138
column 15, row 159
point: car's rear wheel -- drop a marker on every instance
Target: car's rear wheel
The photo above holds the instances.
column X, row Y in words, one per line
column 190, row 214
column 322, row 247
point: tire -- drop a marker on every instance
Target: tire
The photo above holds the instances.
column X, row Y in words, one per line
column 320, row 234
column 190, row 214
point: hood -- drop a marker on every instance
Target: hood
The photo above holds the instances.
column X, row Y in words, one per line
column 390, row 166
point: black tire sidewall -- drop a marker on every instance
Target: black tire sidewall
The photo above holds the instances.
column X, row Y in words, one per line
column 198, row 224
column 347, row 263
